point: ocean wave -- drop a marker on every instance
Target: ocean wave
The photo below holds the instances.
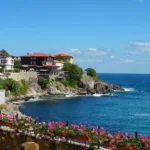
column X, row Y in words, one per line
column 30, row 100
column 125, row 90
column 128, row 89
column 142, row 114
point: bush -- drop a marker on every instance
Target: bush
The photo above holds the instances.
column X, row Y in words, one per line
column 2, row 106
column 65, row 83
column 91, row 72
column 13, row 87
column 74, row 74
column 17, row 70
column 43, row 82
column 23, row 86
column 1, row 69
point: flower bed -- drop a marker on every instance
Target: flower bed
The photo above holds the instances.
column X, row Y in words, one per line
column 93, row 136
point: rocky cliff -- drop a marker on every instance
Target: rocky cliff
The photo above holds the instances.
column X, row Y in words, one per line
column 86, row 85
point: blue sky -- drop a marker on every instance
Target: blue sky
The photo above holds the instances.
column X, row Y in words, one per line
column 112, row 36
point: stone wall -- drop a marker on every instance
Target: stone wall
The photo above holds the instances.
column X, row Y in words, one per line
column 23, row 75
column 10, row 141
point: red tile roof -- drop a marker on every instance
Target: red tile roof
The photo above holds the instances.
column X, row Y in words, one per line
column 62, row 54
column 37, row 55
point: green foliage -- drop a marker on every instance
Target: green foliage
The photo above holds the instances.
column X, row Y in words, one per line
column 16, row 69
column 3, row 51
column 43, row 82
column 13, row 87
column 2, row 106
column 17, row 64
column 91, row 72
column 74, row 74
column 1, row 69
column 23, row 86
column 60, row 58
column 65, row 82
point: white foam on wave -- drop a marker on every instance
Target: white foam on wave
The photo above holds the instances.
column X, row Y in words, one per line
column 128, row 89
column 30, row 100
column 125, row 90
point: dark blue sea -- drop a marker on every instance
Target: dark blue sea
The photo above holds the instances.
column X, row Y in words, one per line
column 127, row 111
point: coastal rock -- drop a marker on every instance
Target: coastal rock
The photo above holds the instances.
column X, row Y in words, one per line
column 53, row 91
column 101, row 87
column 86, row 82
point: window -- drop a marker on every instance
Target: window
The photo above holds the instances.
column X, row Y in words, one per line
column 34, row 58
column 31, row 62
column 3, row 61
column 34, row 62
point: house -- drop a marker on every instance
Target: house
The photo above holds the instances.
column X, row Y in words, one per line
column 61, row 56
column 60, row 64
column 37, row 59
column 7, row 62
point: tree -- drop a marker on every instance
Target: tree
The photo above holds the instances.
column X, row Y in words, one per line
column 91, row 72
column 74, row 73
column 61, row 58
column 3, row 51
column 43, row 82
column 17, row 64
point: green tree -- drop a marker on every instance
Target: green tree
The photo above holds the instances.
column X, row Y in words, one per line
column 61, row 58
column 3, row 51
column 43, row 82
column 74, row 74
column 17, row 64
column 91, row 72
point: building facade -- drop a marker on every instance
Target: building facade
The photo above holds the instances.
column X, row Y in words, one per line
column 7, row 62
column 38, row 59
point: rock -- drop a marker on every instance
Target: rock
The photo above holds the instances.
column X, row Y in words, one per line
column 30, row 146
column 82, row 91
column 86, row 82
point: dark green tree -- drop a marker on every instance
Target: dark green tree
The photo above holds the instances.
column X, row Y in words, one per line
column 60, row 58
column 74, row 73
column 91, row 72
column 3, row 51
column 17, row 64
column 43, row 82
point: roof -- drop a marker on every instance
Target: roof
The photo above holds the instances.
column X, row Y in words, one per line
column 7, row 55
column 62, row 54
column 37, row 55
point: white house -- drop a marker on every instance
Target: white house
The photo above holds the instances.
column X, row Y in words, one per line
column 60, row 64
column 7, row 62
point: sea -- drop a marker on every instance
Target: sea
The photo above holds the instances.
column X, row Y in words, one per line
column 127, row 111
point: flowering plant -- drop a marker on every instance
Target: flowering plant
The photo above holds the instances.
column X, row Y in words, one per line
column 92, row 135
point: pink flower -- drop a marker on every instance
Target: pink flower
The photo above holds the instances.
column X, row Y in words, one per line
column 63, row 139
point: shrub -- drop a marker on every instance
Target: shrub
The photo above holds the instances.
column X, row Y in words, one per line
column 65, row 83
column 2, row 106
column 43, row 82
column 91, row 72
column 74, row 74
column 23, row 86
column 17, row 70
column 1, row 69
column 13, row 86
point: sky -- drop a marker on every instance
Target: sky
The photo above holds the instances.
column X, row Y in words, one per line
column 111, row 36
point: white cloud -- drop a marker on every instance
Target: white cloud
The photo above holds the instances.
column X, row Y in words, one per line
column 112, row 57
column 126, row 61
column 75, row 51
column 141, row 45
column 98, row 52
